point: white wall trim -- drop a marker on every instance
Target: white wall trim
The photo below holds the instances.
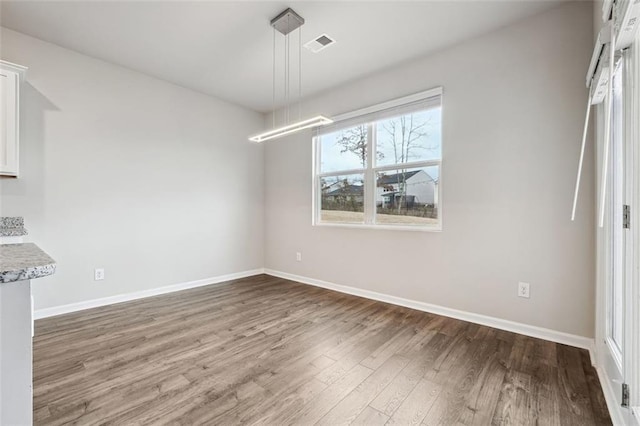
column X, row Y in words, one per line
column 592, row 353
column 619, row 416
column 502, row 324
column 636, row 414
column 88, row 304
column 393, row 103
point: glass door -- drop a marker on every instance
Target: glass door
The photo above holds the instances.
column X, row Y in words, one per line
column 617, row 359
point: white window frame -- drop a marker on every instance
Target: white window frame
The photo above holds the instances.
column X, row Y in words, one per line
column 369, row 172
column 634, row 141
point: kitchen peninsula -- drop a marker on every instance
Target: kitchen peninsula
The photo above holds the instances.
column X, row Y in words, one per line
column 19, row 264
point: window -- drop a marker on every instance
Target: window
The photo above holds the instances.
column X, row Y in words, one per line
column 396, row 187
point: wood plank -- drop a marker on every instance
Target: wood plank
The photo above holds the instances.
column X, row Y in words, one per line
column 347, row 410
column 394, row 394
column 370, row 417
column 572, row 383
column 415, row 407
column 599, row 404
column 314, row 410
column 263, row 350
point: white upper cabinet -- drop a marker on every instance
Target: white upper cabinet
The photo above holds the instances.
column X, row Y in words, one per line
column 11, row 76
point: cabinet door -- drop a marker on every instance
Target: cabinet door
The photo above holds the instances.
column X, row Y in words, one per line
column 8, row 123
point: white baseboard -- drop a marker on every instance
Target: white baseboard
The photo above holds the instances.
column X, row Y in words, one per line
column 502, row 324
column 88, row 304
column 592, row 353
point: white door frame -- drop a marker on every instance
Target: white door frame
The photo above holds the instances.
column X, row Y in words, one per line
column 616, row 351
column 631, row 358
column 634, row 135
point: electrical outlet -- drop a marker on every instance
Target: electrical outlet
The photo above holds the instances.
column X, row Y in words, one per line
column 523, row 290
column 299, row 256
column 98, row 274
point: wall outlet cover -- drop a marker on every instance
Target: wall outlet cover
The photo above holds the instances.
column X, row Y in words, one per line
column 523, row 290
column 98, row 274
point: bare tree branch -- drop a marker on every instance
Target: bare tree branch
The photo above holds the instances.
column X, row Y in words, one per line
column 354, row 140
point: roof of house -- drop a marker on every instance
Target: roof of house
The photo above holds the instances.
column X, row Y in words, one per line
column 397, row 177
column 348, row 190
column 395, row 193
column 338, row 182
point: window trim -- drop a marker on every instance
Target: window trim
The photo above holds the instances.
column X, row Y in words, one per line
column 369, row 172
column 394, row 103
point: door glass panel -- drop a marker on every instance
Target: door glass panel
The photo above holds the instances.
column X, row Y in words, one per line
column 616, row 287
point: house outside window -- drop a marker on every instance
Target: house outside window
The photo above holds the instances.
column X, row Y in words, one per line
column 399, row 187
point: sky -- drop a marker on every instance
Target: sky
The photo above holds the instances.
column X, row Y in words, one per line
column 427, row 146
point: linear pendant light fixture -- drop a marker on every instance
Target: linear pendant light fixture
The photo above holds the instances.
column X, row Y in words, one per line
column 292, row 128
column 285, row 23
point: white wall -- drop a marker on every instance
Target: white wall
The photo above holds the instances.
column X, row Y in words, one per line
column 513, row 116
column 155, row 183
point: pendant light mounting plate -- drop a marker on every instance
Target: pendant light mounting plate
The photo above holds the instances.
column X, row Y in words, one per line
column 287, row 21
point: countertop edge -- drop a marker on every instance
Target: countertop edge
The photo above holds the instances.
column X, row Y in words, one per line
column 28, row 273
column 24, row 261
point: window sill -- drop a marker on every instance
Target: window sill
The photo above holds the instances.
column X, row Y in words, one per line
column 435, row 228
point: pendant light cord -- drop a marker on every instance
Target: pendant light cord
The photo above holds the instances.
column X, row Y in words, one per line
column 284, row 83
column 283, row 24
column 288, row 73
column 286, row 111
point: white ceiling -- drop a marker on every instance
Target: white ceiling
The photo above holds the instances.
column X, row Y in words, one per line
column 225, row 48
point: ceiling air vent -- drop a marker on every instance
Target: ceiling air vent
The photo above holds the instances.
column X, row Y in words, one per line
column 321, row 42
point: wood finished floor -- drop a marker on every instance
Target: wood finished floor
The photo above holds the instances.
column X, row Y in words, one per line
column 263, row 350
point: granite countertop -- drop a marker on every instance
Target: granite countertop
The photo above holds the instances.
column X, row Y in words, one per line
column 24, row 262
column 12, row 226
column 13, row 232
